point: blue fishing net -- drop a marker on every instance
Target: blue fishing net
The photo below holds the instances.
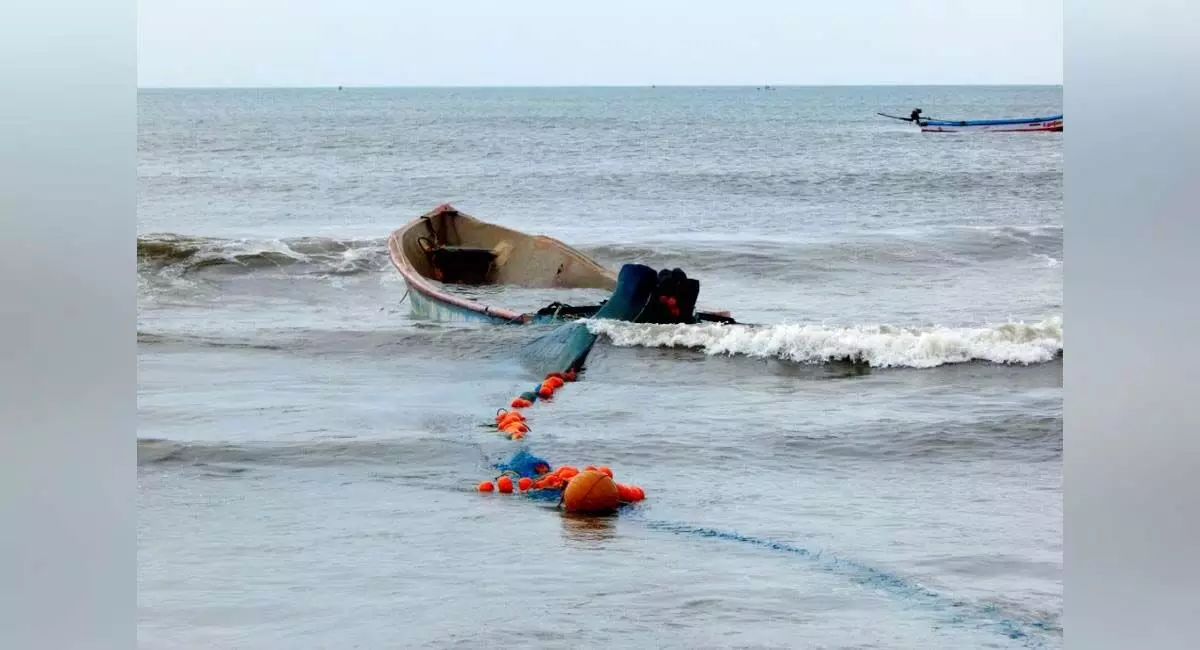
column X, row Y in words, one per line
column 556, row 351
column 524, row 463
column 568, row 345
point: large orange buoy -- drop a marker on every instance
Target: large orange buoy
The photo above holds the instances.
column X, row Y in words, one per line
column 520, row 403
column 556, row 382
column 525, row 483
column 504, row 484
column 591, row 493
column 486, row 486
column 546, row 390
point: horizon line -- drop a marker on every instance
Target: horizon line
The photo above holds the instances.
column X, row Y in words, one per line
column 585, row 86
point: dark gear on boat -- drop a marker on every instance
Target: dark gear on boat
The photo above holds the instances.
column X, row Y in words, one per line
column 455, row 264
column 669, row 298
column 915, row 115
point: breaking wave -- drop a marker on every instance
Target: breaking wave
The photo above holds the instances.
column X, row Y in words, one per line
column 303, row 255
column 952, row 247
column 879, row 346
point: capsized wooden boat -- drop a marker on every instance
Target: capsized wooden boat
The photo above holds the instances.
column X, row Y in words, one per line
column 1052, row 123
column 448, row 247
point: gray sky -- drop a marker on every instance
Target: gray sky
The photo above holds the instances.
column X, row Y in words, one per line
column 608, row 42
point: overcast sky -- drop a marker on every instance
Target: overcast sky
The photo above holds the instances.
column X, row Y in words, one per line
column 603, row 43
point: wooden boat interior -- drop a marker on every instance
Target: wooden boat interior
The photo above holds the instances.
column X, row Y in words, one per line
column 454, row 248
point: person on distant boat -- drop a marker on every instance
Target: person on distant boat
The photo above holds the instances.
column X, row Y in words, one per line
column 915, row 116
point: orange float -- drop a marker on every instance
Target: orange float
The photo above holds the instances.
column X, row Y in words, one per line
column 512, row 426
column 630, row 493
column 566, row 472
column 520, row 403
column 515, row 429
column 503, row 415
column 525, row 483
column 504, row 484
column 486, row 486
column 545, row 391
column 591, row 493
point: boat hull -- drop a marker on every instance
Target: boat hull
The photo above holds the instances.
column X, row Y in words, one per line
column 428, row 307
column 1030, row 125
column 446, row 247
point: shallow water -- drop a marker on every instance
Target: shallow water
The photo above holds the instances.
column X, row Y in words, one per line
column 308, row 450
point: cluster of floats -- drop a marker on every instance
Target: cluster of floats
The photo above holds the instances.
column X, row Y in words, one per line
column 445, row 248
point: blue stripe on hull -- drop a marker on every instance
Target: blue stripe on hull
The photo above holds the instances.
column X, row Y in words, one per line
column 425, row 307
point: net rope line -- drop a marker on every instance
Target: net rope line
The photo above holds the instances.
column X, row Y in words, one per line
column 1028, row 631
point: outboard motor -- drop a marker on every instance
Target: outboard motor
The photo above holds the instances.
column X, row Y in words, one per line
column 674, row 300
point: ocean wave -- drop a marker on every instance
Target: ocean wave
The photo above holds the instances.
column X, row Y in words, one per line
column 879, row 346
column 935, row 249
column 804, row 186
column 1033, row 437
column 300, row 255
column 432, row 341
column 198, row 340
column 1038, row 240
column 331, row 450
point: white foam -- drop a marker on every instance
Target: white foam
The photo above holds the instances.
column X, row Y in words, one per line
column 878, row 345
column 1051, row 263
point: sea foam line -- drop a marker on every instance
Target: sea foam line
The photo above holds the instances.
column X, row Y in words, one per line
column 880, row 346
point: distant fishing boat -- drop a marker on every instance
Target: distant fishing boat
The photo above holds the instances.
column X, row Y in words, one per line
column 1052, row 123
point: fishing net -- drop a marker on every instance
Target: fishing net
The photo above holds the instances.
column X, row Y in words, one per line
column 568, row 345
column 525, row 464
